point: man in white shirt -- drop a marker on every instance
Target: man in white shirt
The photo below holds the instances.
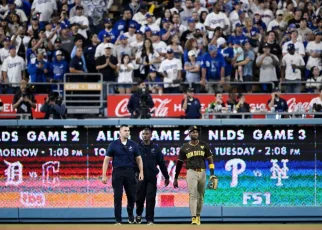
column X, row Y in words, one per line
column 81, row 20
column 13, row 70
column 171, row 70
column 12, row 8
column 131, row 34
column 158, row 45
column 234, row 16
column 4, row 52
column 277, row 22
column 292, row 64
column 215, row 19
column 150, row 24
column 299, row 47
column 140, row 16
column 316, row 104
column 137, row 45
column 267, row 14
column 177, row 7
column 100, row 49
column 314, row 51
column 72, row 11
column 45, row 7
column 198, row 8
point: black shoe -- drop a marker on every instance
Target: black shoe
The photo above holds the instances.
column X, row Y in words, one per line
column 131, row 219
column 138, row 219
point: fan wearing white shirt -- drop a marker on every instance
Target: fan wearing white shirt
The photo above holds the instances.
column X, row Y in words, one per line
column 314, row 81
column 216, row 19
column 178, row 28
column 314, row 51
column 292, row 64
column 277, row 22
column 100, row 49
column 12, row 8
column 171, row 70
column 299, row 47
column 177, row 7
column 137, row 45
column 234, row 16
column 186, row 14
column 139, row 17
column 198, row 8
column 315, row 103
column 200, row 26
column 149, row 19
column 131, row 34
column 45, row 7
column 4, row 52
column 81, row 20
column 159, row 45
column 13, row 70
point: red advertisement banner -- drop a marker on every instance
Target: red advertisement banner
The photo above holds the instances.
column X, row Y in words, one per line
column 169, row 105
column 7, row 100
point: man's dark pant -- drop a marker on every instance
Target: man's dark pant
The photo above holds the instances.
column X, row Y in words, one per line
column 123, row 177
column 146, row 189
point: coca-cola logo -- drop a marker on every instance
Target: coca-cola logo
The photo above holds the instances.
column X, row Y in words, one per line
column 160, row 109
column 297, row 107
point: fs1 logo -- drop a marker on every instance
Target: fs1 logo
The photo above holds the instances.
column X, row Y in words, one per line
column 256, row 198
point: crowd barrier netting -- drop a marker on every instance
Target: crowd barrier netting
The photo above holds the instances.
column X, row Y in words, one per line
column 257, row 166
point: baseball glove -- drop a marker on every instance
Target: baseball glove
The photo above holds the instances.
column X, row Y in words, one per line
column 213, row 183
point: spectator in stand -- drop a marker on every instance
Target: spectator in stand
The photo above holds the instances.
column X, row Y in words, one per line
column 100, row 49
column 147, row 59
column 77, row 65
column 267, row 63
column 278, row 21
column 316, row 104
column 107, row 65
column 122, row 47
column 247, row 64
column 20, row 40
column 314, row 81
column 299, row 47
column 24, row 100
column 81, row 21
column 215, row 19
column 131, row 33
column 297, row 18
column 177, row 9
column 292, row 64
column 303, row 30
column 192, row 68
column 58, row 46
column 14, row 11
column 125, row 75
column 140, row 16
column 137, row 45
column 171, row 70
column 159, row 45
column 150, row 23
column 58, row 68
column 155, row 85
column 274, row 47
column 213, row 70
column 238, row 35
column 4, row 52
column 45, row 8
column 122, row 25
column 178, row 28
column 234, row 16
column 89, row 54
column 13, row 70
column 67, row 40
column 186, row 14
column 228, row 54
column 174, row 44
column 276, row 102
column 73, row 10
column 232, row 101
column 242, row 106
column 191, row 105
column 108, row 31
column 252, row 33
column 314, row 52
column 238, row 57
column 38, row 69
column 133, row 7
column 199, row 8
column 218, row 105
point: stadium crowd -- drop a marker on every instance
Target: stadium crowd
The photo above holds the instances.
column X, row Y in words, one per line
column 165, row 43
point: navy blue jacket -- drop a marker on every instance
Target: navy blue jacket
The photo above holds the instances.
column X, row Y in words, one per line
column 152, row 157
column 123, row 155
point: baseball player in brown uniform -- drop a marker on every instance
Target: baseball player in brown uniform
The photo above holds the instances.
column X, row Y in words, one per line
column 195, row 153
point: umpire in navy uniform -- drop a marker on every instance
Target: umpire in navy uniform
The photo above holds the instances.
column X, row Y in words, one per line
column 126, row 156
column 146, row 189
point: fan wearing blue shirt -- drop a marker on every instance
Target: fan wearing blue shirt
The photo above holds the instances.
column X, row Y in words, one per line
column 228, row 53
column 238, row 36
column 108, row 31
column 122, row 25
column 125, row 156
column 213, row 69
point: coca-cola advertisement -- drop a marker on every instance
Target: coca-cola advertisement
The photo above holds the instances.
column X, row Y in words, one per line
column 169, row 105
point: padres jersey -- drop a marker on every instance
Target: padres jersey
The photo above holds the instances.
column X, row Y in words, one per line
column 195, row 155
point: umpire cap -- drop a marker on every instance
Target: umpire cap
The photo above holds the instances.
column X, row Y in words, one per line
column 192, row 128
